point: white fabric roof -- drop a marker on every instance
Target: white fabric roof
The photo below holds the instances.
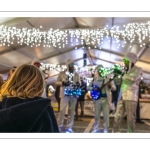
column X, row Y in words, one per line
column 106, row 54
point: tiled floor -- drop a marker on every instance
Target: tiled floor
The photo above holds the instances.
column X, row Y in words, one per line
column 86, row 125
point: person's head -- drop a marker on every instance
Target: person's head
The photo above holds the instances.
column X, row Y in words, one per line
column 37, row 64
column 25, row 82
column 70, row 66
column 97, row 68
column 129, row 60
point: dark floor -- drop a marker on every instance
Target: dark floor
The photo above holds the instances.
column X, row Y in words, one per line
column 86, row 125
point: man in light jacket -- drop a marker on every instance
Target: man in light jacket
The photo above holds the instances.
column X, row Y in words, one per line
column 128, row 94
column 63, row 80
column 103, row 103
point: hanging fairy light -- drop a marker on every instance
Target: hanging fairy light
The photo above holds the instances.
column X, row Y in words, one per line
column 60, row 37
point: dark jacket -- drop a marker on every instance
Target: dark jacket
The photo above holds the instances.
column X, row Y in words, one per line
column 29, row 115
column 83, row 86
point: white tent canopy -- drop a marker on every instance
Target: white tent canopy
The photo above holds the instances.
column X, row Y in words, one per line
column 107, row 51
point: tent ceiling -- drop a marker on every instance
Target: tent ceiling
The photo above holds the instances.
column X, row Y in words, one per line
column 107, row 54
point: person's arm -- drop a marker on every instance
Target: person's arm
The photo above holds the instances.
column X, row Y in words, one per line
column 136, row 76
column 113, row 86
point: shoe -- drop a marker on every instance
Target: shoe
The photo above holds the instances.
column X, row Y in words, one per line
column 60, row 129
column 96, row 131
column 69, row 130
column 105, row 131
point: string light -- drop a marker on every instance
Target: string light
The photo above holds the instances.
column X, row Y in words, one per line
column 86, row 70
column 59, row 38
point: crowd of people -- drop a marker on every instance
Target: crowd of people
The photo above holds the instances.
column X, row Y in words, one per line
column 25, row 106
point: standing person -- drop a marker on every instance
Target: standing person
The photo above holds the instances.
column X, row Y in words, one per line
column 1, row 81
column 80, row 100
column 101, row 104
column 57, row 96
column 129, row 94
column 63, row 81
column 38, row 64
column 22, row 109
column 11, row 71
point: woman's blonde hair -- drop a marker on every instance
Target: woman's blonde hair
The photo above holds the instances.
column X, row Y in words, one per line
column 26, row 81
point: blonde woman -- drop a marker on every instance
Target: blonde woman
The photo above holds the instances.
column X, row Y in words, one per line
column 22, row 108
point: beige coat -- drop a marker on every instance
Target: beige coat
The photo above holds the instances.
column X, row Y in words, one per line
column 130, row 84
column 64, row 77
